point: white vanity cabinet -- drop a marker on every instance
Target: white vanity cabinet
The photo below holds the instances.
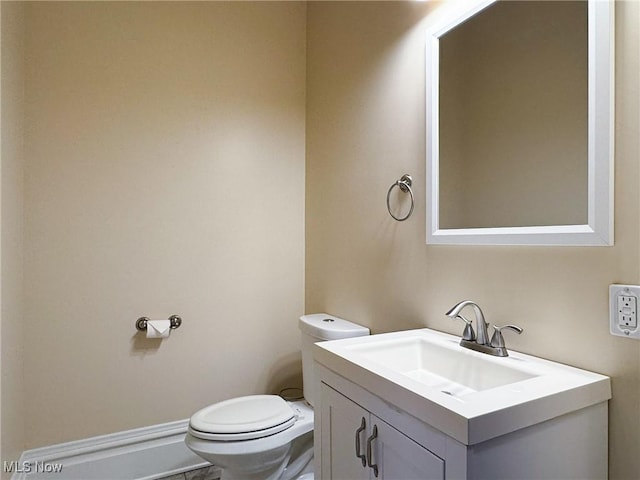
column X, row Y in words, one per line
column 549, row 426
column 358, row 445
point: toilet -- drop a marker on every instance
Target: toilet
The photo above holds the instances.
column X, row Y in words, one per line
column 264, row 437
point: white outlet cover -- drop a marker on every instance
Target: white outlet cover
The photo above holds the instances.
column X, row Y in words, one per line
column 615, row 326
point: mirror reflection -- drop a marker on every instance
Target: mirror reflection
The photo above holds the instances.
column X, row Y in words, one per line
column 513, row 117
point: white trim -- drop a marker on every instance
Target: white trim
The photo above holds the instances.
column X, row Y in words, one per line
column 600, row 228
column 141, row 454
column 560, row 235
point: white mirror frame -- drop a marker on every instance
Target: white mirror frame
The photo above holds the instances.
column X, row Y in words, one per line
column 599, row 230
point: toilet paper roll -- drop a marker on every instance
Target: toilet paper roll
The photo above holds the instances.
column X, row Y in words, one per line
column 158, row 328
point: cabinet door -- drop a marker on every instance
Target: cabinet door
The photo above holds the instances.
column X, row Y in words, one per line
column 400, row 458
column 342, row 432
column 352, row 449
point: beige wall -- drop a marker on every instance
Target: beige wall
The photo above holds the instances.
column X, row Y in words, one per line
column 11, row 240
column 365, row 128
column 151, row 132
column 165, row 174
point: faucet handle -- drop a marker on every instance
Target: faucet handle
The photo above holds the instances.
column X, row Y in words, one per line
column 497, row 339
column 468, row 333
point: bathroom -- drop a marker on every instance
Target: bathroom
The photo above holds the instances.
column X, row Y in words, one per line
column 228, row 162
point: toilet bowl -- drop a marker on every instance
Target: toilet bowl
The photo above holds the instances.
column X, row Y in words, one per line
column 264, row 437
column 273, row 441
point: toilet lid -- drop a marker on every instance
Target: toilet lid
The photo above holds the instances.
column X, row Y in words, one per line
column 243, row 418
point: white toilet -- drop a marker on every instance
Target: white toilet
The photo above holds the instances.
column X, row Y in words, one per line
column 264, row 437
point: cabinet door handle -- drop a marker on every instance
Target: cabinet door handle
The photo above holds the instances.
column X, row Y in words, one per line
column 362, row 428
column 373, row 436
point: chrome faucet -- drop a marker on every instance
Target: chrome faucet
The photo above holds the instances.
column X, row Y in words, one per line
column 481, row 324
column 481, row 342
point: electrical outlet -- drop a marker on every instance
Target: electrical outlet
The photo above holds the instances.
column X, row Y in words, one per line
column 623, row 310
column 627, row 317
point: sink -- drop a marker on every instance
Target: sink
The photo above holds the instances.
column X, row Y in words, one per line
column 445, row 367
column 469, row 395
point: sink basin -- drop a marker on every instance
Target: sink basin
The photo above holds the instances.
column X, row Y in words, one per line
column 451, row 370
column 470, row 396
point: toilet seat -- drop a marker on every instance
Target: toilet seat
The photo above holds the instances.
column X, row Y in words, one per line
column 243, row 418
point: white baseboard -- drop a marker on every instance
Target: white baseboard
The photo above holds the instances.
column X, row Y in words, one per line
column 142, row 454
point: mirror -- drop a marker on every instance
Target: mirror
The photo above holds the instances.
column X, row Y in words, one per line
column 520, row 124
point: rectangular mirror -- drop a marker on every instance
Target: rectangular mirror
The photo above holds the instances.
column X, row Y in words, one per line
column 520, row 124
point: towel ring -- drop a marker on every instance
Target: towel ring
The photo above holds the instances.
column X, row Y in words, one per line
column 404, row 184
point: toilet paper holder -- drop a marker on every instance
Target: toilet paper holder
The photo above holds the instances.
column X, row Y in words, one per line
column 141, row 323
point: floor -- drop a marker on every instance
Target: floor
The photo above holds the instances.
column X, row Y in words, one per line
column 206, row 473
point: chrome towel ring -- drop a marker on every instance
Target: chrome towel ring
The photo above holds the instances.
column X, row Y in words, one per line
column 404, row 184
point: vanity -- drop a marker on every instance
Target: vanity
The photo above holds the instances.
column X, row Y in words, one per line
column 416, row 405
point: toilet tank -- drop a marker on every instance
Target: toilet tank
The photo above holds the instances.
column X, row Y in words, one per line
column 318, row 327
